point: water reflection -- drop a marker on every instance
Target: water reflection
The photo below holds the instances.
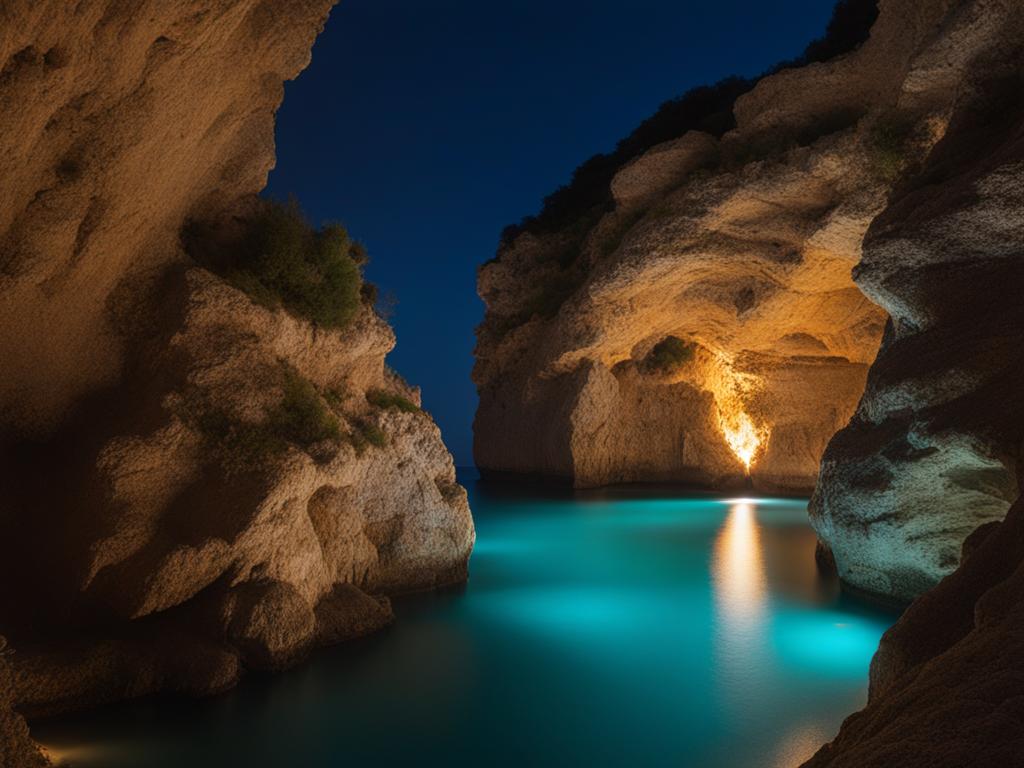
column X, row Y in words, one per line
column 800, row 745
column 741, row 620
column 706, row 615
column 738, row 573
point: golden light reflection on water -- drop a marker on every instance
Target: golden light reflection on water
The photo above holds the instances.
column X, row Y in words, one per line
column 738, row 570
column 800, row 745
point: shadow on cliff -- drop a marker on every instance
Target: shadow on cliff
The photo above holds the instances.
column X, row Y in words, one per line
column 57, row 506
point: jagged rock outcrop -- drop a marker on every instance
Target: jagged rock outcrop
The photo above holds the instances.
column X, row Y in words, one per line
column 934, row 448
column 947, row 683
column 193, row 483
column 247, row 553
column 17, row 750
column 740, row 250
column 741, row 247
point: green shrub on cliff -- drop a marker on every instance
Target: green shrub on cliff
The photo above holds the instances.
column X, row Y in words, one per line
column 669, row 355
column 276, row 257
column 302, row 417
column 888, row 146
column 365, row 433
column 383, row 399
column 283, row 261
column 236, row 446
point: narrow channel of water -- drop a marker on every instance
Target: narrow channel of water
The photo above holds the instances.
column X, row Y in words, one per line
column 622, row 628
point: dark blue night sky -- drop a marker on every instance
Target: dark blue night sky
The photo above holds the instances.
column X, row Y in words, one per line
column 426, row 126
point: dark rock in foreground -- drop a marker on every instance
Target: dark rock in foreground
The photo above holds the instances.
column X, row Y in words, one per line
column 947, row 683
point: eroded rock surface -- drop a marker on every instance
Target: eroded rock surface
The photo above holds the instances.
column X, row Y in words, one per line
column 934, row 448
column 17, row 750
column 947, row 683
column 739, row 246
column 876, row 190
column 193, row 483
column 116, row 121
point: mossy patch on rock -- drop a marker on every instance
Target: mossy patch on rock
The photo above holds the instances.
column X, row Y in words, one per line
column 668, row 356
column 381, row 398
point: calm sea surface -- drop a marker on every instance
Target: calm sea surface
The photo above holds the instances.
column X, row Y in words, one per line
column 620, row 628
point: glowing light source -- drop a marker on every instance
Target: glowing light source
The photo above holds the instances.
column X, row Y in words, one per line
column 733, row 390
column 742, row 436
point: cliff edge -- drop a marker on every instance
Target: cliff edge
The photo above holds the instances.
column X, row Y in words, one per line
column 204, row 471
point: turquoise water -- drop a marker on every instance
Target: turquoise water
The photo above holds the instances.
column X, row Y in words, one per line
column 623, row 628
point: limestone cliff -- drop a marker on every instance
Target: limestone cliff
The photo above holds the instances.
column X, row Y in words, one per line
column 766, row 261
column 116, row 121
column 194, row 482
column 903, row 160
column 935, row 450
column 737, row 246
column 947, row 683
column 935, row 446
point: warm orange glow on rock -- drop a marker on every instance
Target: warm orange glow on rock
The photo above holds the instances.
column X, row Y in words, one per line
column 743, row 437
column 733, row 390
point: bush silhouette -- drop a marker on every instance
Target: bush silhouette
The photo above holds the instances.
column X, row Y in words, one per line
column 275, row 256
column 383, row 399
column 705, row 108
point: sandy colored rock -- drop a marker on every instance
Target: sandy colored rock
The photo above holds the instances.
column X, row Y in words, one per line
column 164, row 526
column 655, row 172
column 751, row 266
column 935, row 447
column 117, row 120
column 741, row 247
column 856, row 194
column 287, row 545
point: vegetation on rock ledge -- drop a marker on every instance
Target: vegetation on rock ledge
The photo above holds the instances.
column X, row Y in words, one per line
column 301, row 418
column 281, row 260
column 668, row 355
column 705, row 108
column 366, row 433
column 889, row 146
column 383, row 399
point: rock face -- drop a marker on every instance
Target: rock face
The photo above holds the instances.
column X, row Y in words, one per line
column 934, row 448
column 193, row 484
column 16, row 748
column 740, row 247
column 947, row 683
column 104, row 154
column 856, row 195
